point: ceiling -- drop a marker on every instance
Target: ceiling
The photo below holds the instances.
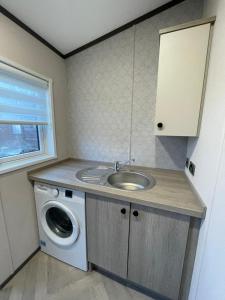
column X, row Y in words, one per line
column 70, row 24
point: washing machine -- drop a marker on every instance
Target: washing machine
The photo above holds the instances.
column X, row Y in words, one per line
column 62, row 223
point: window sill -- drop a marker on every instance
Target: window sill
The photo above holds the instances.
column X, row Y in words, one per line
column 7, row 167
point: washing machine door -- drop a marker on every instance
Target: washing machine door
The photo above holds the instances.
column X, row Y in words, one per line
column 59, row 223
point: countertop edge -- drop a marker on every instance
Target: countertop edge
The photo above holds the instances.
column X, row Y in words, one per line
column 192, row 213
column 197, row 196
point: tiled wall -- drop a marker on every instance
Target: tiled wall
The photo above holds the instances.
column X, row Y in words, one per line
column 112, row 92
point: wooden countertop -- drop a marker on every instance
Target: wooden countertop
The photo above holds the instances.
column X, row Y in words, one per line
column 172, row 191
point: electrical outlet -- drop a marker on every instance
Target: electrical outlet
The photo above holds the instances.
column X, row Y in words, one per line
column 187, row 162
column 192, row 168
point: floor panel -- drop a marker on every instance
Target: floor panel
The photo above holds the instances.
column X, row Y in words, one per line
column 45, row 278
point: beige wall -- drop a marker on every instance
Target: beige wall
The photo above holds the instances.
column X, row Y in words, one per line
column 16, row 191
column 112, row 92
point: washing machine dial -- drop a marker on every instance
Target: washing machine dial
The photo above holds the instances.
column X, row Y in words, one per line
column 55, row 192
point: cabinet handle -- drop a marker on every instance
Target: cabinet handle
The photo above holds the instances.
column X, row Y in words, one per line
column 135, row 213
column 160, row 125
column 123, row 211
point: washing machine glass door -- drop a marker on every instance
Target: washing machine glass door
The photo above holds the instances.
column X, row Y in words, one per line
column 59, row 223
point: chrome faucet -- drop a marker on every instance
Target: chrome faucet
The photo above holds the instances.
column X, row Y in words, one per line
column 118, row 164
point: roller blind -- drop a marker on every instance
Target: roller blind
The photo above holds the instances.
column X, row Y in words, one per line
column 24, row 98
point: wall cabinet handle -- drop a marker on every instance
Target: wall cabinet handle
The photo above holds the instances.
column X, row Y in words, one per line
column 160, row 125
column 123, row 211
column 135, row 213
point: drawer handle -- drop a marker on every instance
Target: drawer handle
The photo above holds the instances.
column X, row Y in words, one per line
column 123, row 211
column 135, row 213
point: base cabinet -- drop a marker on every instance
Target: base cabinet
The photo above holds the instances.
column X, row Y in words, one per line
column 107, row 233
column 144, row 245
column 157, row 245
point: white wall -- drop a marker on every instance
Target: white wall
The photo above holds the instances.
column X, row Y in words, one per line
column 209, row 273
column 15, row 190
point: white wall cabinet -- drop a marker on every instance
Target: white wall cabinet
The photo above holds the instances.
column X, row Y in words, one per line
column 6, row 267
column 181, row 74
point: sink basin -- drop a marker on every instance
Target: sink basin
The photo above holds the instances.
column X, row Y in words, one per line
column 130, row 181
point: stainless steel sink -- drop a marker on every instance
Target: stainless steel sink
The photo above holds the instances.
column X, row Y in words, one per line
column 123, row 179
column 130, row 181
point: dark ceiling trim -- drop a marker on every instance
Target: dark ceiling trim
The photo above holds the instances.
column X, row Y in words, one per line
column 29, row 30
column 125, row 26
column 96, row 41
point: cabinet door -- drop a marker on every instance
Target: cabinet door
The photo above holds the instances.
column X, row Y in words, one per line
column 20, row 216
column 6, row 268
column 107, row 233
column 182, row 63
column 157, row 246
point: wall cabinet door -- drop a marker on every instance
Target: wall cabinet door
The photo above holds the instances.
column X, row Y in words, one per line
column 107, row 233
column 6, row 268
column 157, row 246
column 181, row 71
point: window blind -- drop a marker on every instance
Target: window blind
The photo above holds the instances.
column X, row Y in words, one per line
column 23, row 97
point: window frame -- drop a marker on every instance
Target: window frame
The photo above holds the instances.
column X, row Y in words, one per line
column 46, row 133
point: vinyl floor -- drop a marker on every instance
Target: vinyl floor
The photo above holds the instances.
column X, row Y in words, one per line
column 45, row 278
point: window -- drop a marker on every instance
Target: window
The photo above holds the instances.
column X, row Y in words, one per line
column 26, row 119
column 18, row 139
